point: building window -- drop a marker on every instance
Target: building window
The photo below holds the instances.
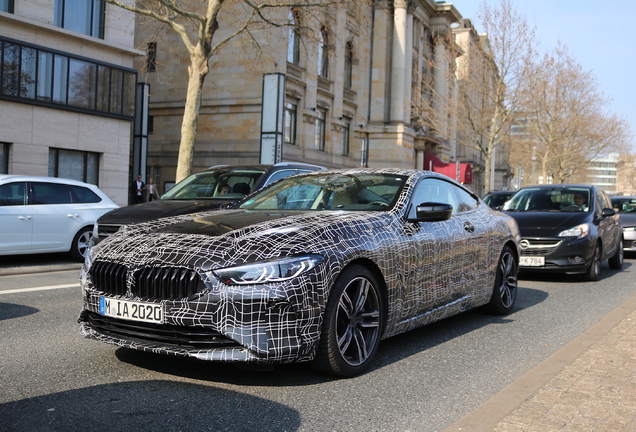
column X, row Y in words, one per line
column 81, row 16
column 72, row 164
column 151, row 124
column 323, row 54
column 4, row 158
column 346, row 129
column 289, row 133
column 319, row 138
column 30, row 74
column 6, row 6
column 151, row 57
column 348, row 66
column 293, row 40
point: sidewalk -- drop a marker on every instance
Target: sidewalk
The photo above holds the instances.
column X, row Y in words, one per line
column 588, row 385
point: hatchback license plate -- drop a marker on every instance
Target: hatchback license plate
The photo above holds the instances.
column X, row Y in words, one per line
column 131, row 310
column 532, row 261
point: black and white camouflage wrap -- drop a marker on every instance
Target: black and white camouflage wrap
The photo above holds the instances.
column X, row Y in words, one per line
column 428, row 270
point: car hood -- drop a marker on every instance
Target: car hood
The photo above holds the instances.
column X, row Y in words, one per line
column 158, row 209
column 547, row 224
column 228, row 237
column 628, row 219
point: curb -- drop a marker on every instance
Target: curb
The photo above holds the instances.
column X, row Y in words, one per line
column 490, row 413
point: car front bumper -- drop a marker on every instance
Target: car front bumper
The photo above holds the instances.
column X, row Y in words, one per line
column 563, row 255
column 253, row 324
column 629, row 239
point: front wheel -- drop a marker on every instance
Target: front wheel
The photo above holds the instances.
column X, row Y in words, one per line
column 81, row 243
column 504, row 293
column 352, row 325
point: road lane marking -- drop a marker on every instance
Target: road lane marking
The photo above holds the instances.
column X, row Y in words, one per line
column 43, row 288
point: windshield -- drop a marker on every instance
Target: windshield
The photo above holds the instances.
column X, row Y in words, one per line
column 497, row 200
column 334, row 191
column 550, row 200
column 624, row 205
column 229, row 185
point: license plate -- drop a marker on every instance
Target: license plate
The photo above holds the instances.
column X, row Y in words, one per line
column 131, row 310
column 532, row 261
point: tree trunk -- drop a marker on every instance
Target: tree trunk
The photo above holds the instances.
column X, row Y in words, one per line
column 197, row 71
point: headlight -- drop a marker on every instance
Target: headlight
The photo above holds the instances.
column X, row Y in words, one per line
column 267, row 271
column 629, row 229
column 578, row 231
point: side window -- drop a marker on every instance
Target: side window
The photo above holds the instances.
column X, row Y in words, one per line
column 279, row 175
column 13, row 194
column 467, row 201
column 84, row 195
column 434, row 190
column 600, row 203
column 51, row 193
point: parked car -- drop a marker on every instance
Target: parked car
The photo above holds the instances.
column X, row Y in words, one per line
column 46, row 214
column 496, row 199
column 316, row 267
column 566, row 228
column 625, row 206
column 205, row 190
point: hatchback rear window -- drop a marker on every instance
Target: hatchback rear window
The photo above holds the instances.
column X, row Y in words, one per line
column 84, row 195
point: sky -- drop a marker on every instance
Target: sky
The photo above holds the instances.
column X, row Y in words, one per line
column 598, row 34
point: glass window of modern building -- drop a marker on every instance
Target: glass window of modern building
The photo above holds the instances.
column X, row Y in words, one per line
column 76, row 165
column 81, row 16
column 6, row 6
column 37, row 75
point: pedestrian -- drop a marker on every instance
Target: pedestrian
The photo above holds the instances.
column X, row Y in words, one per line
column 138, row 188
column 152, row 190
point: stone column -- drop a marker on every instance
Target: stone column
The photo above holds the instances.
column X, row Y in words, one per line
column 408, row 63
column 398, row 64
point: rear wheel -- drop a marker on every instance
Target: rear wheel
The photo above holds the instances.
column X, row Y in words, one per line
column 81, row 243
column 594, row 269
column 616, row 261
column 504, row 293
column 352, row 325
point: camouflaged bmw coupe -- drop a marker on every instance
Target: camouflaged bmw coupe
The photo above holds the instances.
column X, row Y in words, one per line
column 316, row 267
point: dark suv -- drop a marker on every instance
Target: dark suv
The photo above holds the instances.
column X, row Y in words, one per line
column 205, row 190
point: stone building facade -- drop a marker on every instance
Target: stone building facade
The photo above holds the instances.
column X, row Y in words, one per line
column 355, row 79
column 67, row 91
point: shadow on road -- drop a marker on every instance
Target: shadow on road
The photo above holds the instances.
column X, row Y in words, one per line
column 392, row 350
column 150, row 406
column 11, row 310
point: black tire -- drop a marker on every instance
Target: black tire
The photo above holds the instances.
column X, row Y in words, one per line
column 80, row 244
column 616, row 262
column 352, row 325
column 504, row 292
column 594, row 269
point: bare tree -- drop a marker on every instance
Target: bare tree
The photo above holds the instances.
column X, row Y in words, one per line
column 197, row 23
column 566, row 125
column 490, row 87
column 472, row 82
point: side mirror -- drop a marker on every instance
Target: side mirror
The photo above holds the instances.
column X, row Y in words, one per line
column 433, row 212
column 608, row 212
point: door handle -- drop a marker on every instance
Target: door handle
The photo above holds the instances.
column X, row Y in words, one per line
column 24, row 217
column 469, row 227
column 74, row 216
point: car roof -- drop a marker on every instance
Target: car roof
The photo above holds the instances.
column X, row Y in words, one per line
column 6, row 178
column 559, row 186
column 264, row 167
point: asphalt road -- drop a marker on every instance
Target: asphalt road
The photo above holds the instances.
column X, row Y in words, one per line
column 425, row 380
